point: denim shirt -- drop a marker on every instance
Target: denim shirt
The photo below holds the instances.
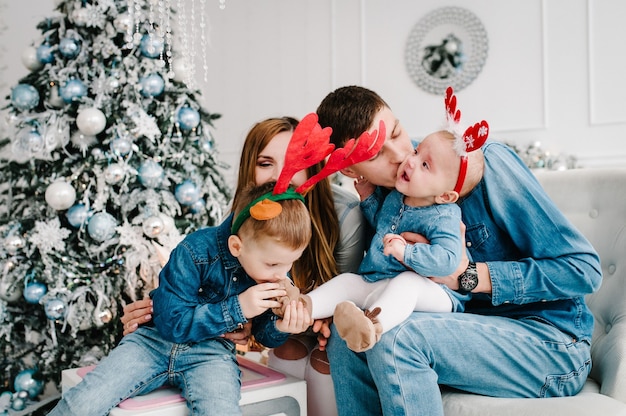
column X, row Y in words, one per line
column 541, row 266
column 440, row 224
column 197, row 295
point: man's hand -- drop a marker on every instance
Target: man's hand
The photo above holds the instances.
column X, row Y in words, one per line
column 414, row 238
column 394, row 245
column 364, row 188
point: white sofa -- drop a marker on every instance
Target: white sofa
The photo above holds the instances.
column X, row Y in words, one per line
column 595, row 201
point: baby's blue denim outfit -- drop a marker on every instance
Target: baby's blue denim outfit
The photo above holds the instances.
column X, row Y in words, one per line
column 440, row 224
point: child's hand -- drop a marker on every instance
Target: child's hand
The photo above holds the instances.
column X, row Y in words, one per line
column 394, row 245
column 297, row 318
column 259, row 298
column 364, row 188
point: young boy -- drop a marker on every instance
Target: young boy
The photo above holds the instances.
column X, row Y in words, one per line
column 216, row 280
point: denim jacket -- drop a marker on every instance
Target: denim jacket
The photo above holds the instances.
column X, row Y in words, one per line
column 541, row 266
column 438, row 223
column 197, row 294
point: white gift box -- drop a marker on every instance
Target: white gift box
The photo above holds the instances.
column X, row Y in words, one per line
column 264, row 392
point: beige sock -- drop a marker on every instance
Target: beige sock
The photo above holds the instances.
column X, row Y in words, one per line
column 293, row 293
column 360, row 329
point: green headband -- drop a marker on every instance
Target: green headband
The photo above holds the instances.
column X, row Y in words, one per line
column 245, row 213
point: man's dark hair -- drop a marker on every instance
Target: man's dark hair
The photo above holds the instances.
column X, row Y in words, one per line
column 349, row 111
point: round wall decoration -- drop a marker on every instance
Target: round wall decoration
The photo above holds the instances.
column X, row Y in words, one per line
column 447, row 47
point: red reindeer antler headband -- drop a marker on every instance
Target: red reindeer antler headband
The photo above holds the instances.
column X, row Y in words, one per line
column 310, row 144
column 472, row 139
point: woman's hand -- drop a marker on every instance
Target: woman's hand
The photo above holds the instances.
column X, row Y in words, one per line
column 322, row 327
column 240, row 336
column 137, row 313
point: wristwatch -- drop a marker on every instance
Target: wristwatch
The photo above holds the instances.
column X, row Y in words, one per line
column 468, row 280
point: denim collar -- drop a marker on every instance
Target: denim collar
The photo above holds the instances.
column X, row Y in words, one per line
column 223, row 232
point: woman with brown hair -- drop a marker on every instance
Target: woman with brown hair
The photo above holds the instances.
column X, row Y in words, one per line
column 337, row 246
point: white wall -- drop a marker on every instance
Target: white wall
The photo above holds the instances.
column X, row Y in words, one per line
column 553, row 73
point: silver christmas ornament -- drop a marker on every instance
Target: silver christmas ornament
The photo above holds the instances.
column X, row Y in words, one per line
column 91, row 121
column 104, row 316
column 114, row 173
column 152, row 226
column 13, row 243
column 60, row 195
column 30, row 60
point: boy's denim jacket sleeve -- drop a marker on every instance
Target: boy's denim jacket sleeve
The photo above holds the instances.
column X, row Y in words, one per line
column 197, row 297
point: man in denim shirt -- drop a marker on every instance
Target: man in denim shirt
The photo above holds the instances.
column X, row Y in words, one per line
column 423, row 202
column 527, row 330
column 216, row 280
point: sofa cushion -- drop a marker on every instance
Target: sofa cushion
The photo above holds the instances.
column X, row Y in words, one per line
column 594, row 200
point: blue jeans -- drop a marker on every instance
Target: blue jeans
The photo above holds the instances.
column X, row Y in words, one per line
column 206, row 372
column 487, row 355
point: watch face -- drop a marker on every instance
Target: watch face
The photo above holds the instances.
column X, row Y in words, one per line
column 468, row 280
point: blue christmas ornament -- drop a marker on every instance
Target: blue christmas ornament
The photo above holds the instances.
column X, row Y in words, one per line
column 151, row 46
column 55, row 309
column 206, row 144
column 25, row 381
column 6, row 397
column 24, row 97
column 69, row 48
column 45, row 54
column 33, row 292
column 73, row 90
column 30, row 142
column 187, row 193
column 150, row 174
column 120, row 146
column 101, row 226
column 198, row 206
column 152, row 85
column 18, row 404
column 188, row 118
column 77, row 215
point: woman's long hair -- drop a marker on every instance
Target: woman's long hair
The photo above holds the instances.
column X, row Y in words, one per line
column 317, row 264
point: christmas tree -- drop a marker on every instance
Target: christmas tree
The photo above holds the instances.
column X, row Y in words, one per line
column 110, row 162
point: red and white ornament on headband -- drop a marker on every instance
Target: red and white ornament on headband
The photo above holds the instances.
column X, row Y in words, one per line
column 468, row 141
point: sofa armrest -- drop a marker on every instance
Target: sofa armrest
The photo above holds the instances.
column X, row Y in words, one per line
column 609, row 340
column 594, row 200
